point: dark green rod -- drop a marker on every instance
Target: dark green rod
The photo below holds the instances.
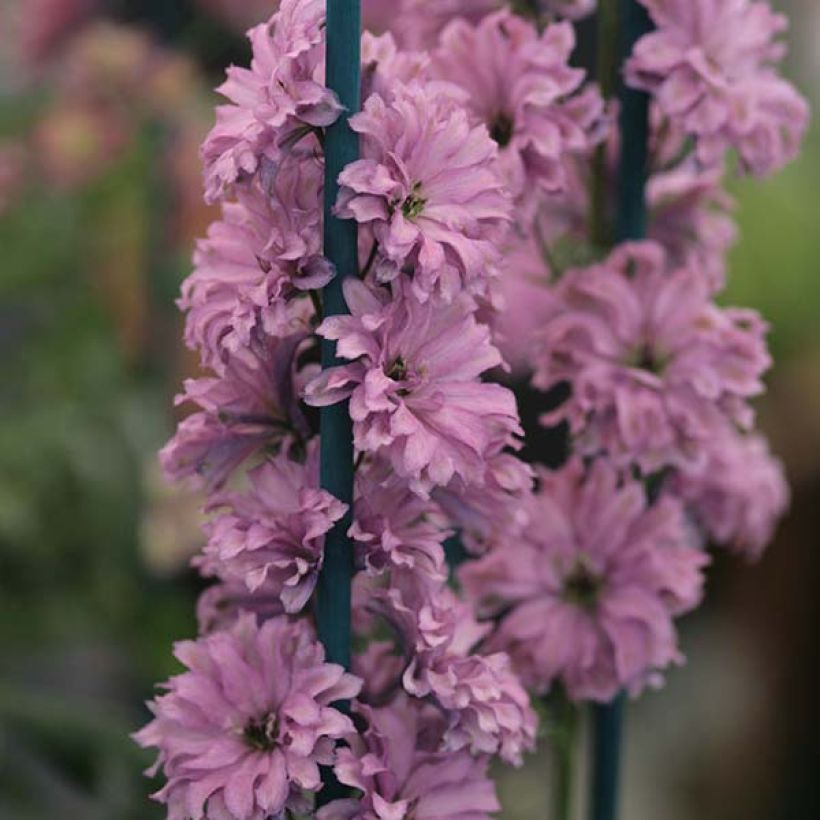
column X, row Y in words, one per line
column 340, row 245
column 630, row 223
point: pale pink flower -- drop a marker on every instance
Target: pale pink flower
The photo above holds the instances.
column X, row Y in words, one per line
column 739, row 495
column 275, row 102
column 275, row 531
column 244, row 730
column 427, row 188
column 254, row 269
column 421, row 21
column 711, row 66
column 690, row 215
column 487, row 710
column 413, row 382
column 521, row 86
column 393, row 527
column 656, row 369
column 219, row 606
column 252, row 403
column 386, row 67
column 397, row 767
column 587, row 594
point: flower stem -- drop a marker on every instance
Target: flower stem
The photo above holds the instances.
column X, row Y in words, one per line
column 564, row 733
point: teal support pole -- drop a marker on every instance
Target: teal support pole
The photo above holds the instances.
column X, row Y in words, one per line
column 630, row 223
column 340, row 246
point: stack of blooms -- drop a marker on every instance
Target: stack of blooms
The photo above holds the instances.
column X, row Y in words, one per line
column 470, row 191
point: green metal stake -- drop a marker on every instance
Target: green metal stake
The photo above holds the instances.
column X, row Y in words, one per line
column 630, row 223
column 341, row 148
column 333, row 595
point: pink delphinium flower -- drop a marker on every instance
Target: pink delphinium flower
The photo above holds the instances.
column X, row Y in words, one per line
column 396, row 765
column 739, row 495
column 656, row 369
column 223, row 602
column 274, row 532
column 427, row 188
column 246, row 727
column 587, row 594
column 413, row 383
column 251, row 403
column 276, row 101
column 421, row 21
column 393, row 527
column 385, row 66
column 690, row 217
column 486, row 707
column 256, row 263
column 519, row 82
column 710, row 65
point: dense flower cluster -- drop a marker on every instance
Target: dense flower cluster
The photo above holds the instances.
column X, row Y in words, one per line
column 471, row 195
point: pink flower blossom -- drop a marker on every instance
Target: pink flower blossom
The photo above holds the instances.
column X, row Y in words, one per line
column 739, row 495
column 396, row 765
column 252, row 403
column 656, row 369
column 275, row 102
column 586, row 595
column 275, row 531
column 519, row 82
column 691, row 217
column 427, row 188
column 421, row 21
column 393, row 527
column 246, row 727
column 488, row 712
column 253, row 271
column 223, row 602
column 413, row 383
column 710, row 65
column 385, row 67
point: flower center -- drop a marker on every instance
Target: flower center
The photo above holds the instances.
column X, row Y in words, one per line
column 582, row 586
column 645, row 357
column 261, row 733
column 398, row 370
column 414, row 204
column 501, row 128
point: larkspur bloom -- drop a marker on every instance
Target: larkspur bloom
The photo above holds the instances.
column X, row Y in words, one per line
column 245, row 728
column 385, row 66
column 587, row 594
column 739, row 495
column 253, row 271
column 711, row 65
column 413, row 379
column 223, row 602
column 521, row 86
column 427, row 189
column 393, row 527
column 251, row 404
column 396, row 765
column 656, row 368
column 487, row 709
column 690, row 215
column 274, row 532
column 420, row 21
column 277, row 101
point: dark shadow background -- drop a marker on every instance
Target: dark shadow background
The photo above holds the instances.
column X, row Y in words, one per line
column 102, row 107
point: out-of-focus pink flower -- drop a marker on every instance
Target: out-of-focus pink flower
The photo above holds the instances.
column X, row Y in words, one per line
column 586, row 595
column 254, row 269
column 386, row 67
column 272, row 535
column 427, row 187
column 413, row 383
column 710, row 65
column 396, row 765
column 274, row 103
column 45, row 25
column 656, row 369
column 244, row 730
column 421, row 21
column 740, row 493
column 252, row 402
column 393, row 527
column 521, row 86
column 690, row 217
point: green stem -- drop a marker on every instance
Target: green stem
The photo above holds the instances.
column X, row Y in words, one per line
column 564, row 720
column 600, row 227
